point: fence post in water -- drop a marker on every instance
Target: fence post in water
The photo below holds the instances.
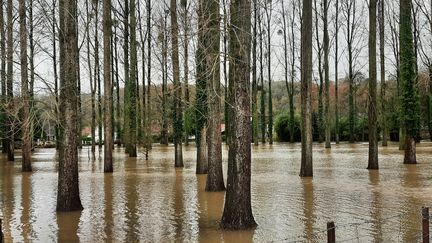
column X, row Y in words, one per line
column 1, row 232
column 331, row 236
column 425, row 219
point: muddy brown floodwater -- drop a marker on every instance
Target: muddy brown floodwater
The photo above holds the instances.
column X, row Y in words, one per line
column 151, row 201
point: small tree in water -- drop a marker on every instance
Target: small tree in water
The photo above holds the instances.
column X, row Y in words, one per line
column 237, row 210
column 410, row 106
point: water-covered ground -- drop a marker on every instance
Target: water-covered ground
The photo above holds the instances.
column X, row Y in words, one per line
column 151, row 201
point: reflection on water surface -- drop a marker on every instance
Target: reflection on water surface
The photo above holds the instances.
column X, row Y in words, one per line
column 152, row 201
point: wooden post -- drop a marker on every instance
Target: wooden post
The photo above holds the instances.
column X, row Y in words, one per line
column 425, row 216
column 1, row 232
column 331, row 236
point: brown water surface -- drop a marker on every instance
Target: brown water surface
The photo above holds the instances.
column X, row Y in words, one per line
column 151, row 201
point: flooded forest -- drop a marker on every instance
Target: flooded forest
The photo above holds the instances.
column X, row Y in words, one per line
column 215, row 121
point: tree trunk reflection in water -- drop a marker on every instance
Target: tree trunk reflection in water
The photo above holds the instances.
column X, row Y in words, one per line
column 153, row 202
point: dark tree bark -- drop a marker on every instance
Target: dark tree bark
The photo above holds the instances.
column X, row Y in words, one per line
column 237, row 210
column 320, row 49
column 131, row 87
column 409, row 92
column 163, row 38
column 373, row 133
column 326, row 46
column 149, row 69
column 177, row 121
column 96, row 84
column 92, row 85
column 215, row 180
column 268, row 10
column 351, row 28
column 382, row 69
column 186, row 24
column 4, row 140
column 336, row 71
column 68, row 198
column 117, row 88
column 261, row 61
column 254, row 75
column 108, row 101
column 201, row 94
column 10, row 146
column 126, row 103
column 306, row 85
column 25, row 96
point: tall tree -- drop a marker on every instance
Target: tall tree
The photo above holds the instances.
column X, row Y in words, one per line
column 9, row 83
column 92, row 85
column 186, row 22
column 96, row 84
column 201, row 111
column 288, row 32
column 254, row 74
column 268, row 8
column 131, row 87
column 215, row 180
column 163, row 38
column 306, row 85
column 3, row 113
column 149, row 69
column 237, row 212
column 126, row 103
column 320, row 50
column 68, row 198
column 326, row 47
column 409, row 91
column 261, row 61
column 352, row 25
column 177, row 121
column 336, row 48
column 382, row 74
column 373, row 136
column 25, row 95
column 108, row 100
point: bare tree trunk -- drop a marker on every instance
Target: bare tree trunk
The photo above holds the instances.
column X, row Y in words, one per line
column 320, row 49
column 201, row 94
column 131, row 88
column 92, row 85
column 237, row 210
column 336, row 71
column 148, row 105
column 56, row 78
column 306, row 85
column 262, row 105
column 68, row 198
column 10, row 104
column 326, row 47
column 4, row 140
column 382, row 65
column 117, row 88
column 25, row 96
column 373, row 136
column 97, row 78
column 108, row 102
column 186, row 23
column 254, row 75
column 177, row 121
column 164, row 39
column 126, row 122
column 215, row 180
column 268, row 10
column 32, row 68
